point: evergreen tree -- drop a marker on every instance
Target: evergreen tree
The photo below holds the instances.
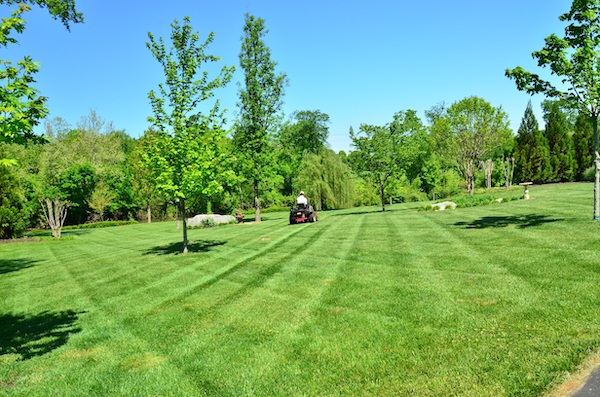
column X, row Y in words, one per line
column 559, row 143
column 583, row 147
column 532, row 160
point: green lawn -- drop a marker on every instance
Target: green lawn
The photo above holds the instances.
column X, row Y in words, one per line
column 497, row 300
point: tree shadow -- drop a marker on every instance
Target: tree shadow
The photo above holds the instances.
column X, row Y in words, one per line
column 377, row 211
column 75, row 232
column 520, row 221
column 34, row 335
column 13, row 265
column 177, row 248
column 252, row 218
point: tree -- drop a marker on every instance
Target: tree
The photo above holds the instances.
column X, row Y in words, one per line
column 575, row 60
column 142, row 174
column 532, row 154
column 13, row 211
column 376, row 156
column 100, row 199
column 559, row 142
column 185, row 152
column 21, row 106
column 55, row 212
column 306, row 132
column 470, row 131
column 583, row 147
column 327, row 181
column 76, row 186
column 260, row 103
column 414, row 149
column 58, row 9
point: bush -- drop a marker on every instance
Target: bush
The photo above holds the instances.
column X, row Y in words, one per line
column 97, row 225
column 589, row 174
column 449, row 185
column 474, row 201
column 14, row 215
column 208, row 222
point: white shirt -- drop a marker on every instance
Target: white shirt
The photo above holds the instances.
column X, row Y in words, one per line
column 301, row 200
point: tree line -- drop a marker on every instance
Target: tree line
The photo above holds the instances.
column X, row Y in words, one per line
column 104, row 173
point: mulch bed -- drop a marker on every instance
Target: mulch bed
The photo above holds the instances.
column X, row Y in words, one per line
column 20, row 240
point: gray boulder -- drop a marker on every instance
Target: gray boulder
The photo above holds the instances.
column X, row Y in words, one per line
column 197, row 220
column 442, row 206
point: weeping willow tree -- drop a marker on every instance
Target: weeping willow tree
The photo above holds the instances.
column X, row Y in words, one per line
column 327, row 181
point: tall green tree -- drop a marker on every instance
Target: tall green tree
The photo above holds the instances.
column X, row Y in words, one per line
column 560, row 143
column 306, row 132
column 376, row 156
column 327, row 181
column 142, row 174
column 414, row 148
column 383, row 154
column 470, row 131
column 260, row 103
column 74, row 185
column 583, row 146
column 532, row 154
column 186, row 152
column 575, row 60
column 21, row 105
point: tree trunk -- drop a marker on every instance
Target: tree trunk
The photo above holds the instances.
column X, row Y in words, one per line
column 184, row 223
column 148, row 212
column 470, row 184
column 383, row 197
column 597, row 178
column 256, row 203
column 241, row 195
column 488, row 168
column 55, row 213
column 508, row 167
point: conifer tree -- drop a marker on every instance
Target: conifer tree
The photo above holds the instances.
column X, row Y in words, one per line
column 532, row 160
column 560, row 143
column 583, row 148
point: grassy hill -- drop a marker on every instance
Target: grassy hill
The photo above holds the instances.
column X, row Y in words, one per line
column 496, row 300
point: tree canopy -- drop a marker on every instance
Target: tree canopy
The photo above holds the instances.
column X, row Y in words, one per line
column 21, row 105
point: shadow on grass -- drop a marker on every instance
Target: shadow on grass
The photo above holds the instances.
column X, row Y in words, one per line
column 250, row 218
column 520, row 221
column 177, row 248
column 75, row 232
column 13, row 265
column 377, row 211
column 34, row 335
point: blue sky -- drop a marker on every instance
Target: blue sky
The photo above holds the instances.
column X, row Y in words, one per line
column 358, row 61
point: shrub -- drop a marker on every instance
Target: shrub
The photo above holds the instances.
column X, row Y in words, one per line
column 589, row 174
column 97, row 225
column 208, row 222
column 14, row 215
column 473, row 201
column 449, row 185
